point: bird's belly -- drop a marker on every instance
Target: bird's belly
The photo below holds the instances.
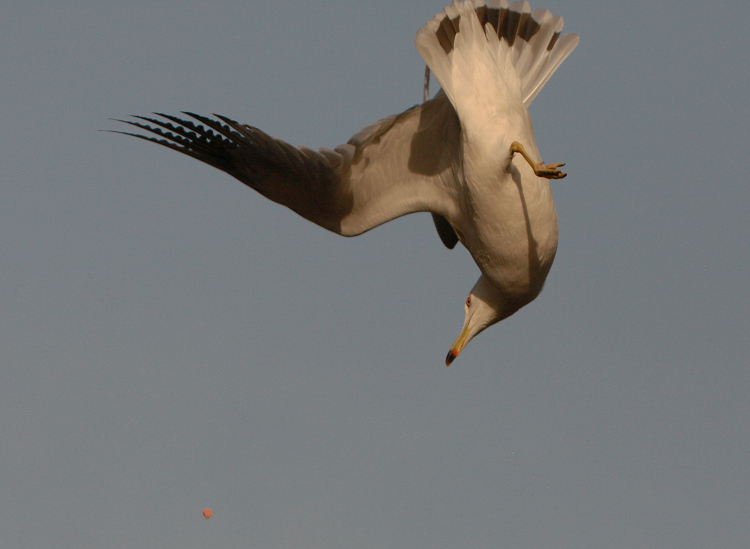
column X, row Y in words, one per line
column 515, row 248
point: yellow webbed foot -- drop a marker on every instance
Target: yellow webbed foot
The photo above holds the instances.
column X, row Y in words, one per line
column 548, row 171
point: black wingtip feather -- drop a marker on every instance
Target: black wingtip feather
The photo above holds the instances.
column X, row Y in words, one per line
column 277, row 170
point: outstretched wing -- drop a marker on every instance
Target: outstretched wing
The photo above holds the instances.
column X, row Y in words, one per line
column 402, row 164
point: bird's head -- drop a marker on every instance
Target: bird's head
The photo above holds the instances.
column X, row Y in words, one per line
column 485, row 306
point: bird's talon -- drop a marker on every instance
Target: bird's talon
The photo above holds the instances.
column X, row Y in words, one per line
column 550, row 171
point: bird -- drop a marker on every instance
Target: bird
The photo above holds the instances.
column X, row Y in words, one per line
column 468, row 155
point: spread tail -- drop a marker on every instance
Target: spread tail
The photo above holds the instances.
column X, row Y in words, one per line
column 471, row 41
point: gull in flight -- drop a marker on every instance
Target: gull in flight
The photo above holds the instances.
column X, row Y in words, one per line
column 468, row 155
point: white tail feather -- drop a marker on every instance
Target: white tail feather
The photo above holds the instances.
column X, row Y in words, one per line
column 524, row 46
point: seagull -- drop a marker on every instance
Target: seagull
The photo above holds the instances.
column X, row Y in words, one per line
column 467, row 155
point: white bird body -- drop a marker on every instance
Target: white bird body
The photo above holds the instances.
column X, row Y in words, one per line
column 507, row 220
column 454, row 155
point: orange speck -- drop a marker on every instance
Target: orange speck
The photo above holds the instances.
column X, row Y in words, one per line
column 208, row 513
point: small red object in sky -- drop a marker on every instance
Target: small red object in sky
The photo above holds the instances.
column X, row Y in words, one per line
column 208, row 513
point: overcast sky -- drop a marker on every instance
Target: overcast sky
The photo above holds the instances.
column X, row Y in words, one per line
column 171, row 341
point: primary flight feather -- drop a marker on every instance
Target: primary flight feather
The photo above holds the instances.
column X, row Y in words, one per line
column 468, row 155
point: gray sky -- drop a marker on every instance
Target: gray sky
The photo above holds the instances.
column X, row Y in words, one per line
column 170, row 340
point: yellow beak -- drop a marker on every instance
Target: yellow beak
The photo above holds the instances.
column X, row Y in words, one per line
column 463, row 339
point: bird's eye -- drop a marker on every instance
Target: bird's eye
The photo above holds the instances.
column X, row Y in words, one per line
column 468, row 301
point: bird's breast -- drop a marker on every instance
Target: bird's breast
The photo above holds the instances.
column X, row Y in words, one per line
column 512, row 232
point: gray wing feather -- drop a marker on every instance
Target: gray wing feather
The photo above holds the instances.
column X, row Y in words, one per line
column 400, row 165
column 445, row 231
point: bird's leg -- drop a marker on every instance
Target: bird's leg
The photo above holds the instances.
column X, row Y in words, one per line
column 548, row 171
